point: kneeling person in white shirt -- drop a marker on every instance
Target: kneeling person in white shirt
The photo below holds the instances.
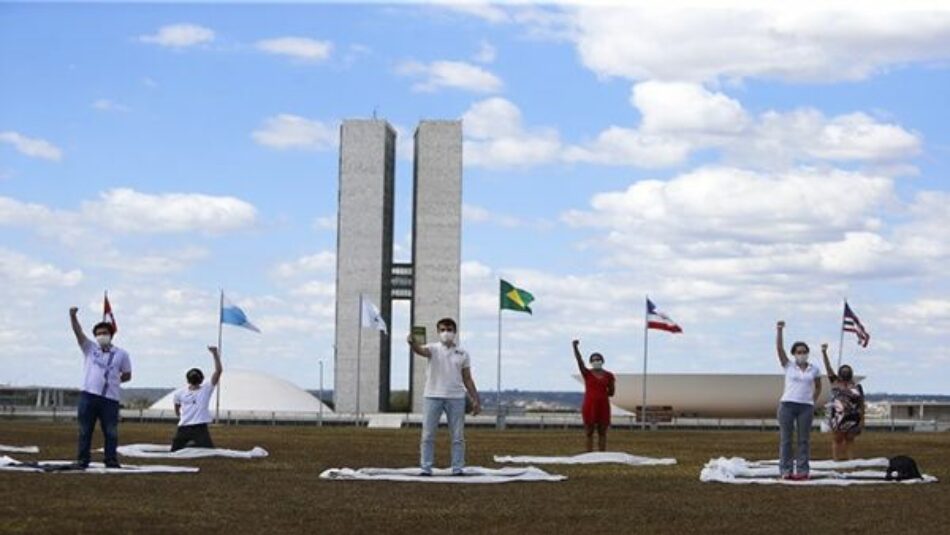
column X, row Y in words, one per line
column 191, row 406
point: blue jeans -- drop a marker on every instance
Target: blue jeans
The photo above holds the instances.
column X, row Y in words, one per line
column 92, row 408
column 790, row 416
column 454, row 409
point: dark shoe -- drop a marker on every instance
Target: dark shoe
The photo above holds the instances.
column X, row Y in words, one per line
column 426, row 473
column 799, row 477
column 113, row 464
column 458, row 473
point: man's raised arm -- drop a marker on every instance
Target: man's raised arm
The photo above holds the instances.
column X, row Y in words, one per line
column 77, row 328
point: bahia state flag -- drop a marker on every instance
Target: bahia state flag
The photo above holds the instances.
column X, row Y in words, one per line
column 514, row 298
column 659, row 320
column 231, row 314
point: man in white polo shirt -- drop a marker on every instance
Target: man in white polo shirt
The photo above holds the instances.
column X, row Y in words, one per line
column 106, row 367
column 191, row 406
column 448, row 377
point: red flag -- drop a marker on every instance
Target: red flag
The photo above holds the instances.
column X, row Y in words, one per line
column 107, row 315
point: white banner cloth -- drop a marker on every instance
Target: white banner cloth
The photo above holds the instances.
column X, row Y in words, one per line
column 19, row 449
column 738, row 471
column 10, row 464
column 163, row 451
column 472, row 474
column 597, row 457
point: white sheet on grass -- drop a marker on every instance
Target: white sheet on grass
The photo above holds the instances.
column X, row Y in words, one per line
column 876, row 462
column 597, row 457
column 12, row 465
column 738, row 471
column 163, row 451
column 19, row 449
column 473, row 474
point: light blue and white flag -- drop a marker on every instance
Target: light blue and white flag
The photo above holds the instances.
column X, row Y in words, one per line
column 370, row 316
column 231, row 314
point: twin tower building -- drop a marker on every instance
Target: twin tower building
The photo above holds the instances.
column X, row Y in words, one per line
column 431, row 281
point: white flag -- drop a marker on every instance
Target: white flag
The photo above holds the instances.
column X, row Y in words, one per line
column 370, row 316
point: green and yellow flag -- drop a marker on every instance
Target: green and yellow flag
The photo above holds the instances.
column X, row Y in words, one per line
column 515, row 298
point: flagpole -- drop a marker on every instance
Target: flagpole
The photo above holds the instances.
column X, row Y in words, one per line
column 217, row 393
column 646, row 335
column 359, row 355
column 498, row 365
column 841, row 339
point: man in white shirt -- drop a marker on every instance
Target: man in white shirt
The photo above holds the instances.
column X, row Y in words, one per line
column 448, row 378
column 191, row 406
column 105, row 368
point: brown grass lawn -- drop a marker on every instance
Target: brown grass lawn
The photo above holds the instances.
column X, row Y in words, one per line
column 283, row 494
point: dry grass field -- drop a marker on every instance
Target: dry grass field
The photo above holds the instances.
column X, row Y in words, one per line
column 282, row 494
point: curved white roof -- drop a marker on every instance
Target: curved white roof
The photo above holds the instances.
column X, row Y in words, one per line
column 707, row 395
column 252, row 391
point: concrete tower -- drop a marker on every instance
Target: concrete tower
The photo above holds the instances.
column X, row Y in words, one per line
column 364, row 263
column 365, row 250
column 436, row 235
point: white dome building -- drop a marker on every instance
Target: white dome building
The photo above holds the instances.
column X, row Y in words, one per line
column 703, row 395
column 245, row 391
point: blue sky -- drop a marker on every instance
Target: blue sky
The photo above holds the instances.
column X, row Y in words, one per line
column 739, row 166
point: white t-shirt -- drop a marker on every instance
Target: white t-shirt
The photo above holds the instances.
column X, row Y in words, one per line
column 194, row 404
column 799, row 383
column 103, row 369
column 444, row 371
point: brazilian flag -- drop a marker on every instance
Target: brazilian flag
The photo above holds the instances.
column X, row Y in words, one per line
column 515, row 298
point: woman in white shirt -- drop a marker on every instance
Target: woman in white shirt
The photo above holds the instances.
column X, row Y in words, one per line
column 797, row 406
column 191, row 406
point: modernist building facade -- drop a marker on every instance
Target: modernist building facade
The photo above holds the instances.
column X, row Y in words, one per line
column 431, row 281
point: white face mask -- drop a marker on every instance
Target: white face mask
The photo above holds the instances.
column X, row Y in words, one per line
column 801, row 359
column 597, row 364
column 104, row 339
column 447, row 337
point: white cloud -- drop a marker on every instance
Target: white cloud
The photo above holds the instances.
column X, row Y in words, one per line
column 477, row 214
column 179, row 36
column 815, row 44
column 486, row 53
column 929, row 314
column 450, row 74
column 729, row 203
column 104, row 104
column 627, row 146
column 300, row 48
column 324, row 223
column 321, row 262
column 32, row 147
column 486, row 11
column 685, row 107
column 18, row 271
column 857, row 136
column 144, row 263
column 127, row 210
column 287, row 131
column 679, row 118
column 496, row 137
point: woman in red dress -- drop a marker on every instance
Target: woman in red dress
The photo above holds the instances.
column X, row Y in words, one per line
column 598, row 388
